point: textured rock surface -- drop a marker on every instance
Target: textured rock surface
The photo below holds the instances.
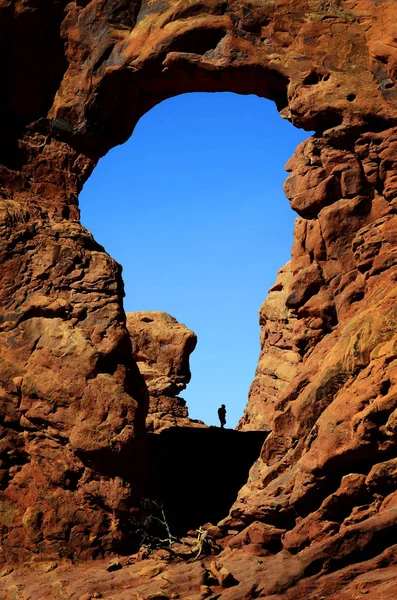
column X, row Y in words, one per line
column 71, row 427
column 317, row 516
column 279, row 358
column 161, row 347
column 255, row 575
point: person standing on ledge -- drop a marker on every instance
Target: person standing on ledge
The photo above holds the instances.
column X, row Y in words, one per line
column 222, row 415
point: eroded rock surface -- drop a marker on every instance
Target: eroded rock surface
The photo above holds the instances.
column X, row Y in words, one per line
column 161, row 347
column 317, row 516
column 279, row 358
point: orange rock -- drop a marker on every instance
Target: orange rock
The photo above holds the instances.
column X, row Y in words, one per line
column 161, row 347
column 222, row 575
column 73, row 404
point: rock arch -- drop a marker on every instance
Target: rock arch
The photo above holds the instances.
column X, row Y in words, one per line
column 330, row 67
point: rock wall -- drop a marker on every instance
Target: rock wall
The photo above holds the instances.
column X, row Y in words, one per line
column 73, row 404
column 318, row 477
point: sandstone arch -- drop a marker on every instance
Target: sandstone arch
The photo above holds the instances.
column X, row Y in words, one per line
column 331, row 67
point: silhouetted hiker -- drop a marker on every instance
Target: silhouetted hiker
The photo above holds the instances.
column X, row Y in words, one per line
column 222, row 415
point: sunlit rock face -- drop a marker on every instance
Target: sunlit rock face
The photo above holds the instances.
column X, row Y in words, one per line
column 161, row 347
column 279, row 358
column 73, row 403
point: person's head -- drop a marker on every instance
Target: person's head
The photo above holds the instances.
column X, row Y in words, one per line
column 223, row 406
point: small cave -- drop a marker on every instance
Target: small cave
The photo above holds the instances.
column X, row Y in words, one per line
column 198, row 41
column 315, row 77
column 196, row 473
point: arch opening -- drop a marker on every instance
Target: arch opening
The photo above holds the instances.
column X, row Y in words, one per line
column 324, row 74
column 201, row 226
column 201, row 229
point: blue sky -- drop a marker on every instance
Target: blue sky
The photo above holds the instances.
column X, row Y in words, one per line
column 192, row 206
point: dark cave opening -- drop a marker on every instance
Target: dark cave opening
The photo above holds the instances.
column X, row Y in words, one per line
column 196, row 473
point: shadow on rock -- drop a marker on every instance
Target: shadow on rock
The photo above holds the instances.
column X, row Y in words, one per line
column 197, row 473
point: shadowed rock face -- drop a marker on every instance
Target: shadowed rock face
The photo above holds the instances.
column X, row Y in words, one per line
column 187, row 482
column 77, row 78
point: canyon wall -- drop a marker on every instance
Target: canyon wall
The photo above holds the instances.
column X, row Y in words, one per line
column 78, row 76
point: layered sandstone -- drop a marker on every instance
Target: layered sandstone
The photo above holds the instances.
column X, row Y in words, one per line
column 161, row 347
column 317, row 516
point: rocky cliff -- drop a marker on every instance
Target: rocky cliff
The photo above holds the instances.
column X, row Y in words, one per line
column 279, row 357
column 317, row 517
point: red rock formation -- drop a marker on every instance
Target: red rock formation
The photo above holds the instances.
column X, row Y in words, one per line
column 279, row 357
column 332, row 428
column 161, row 347
column 317, row 516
